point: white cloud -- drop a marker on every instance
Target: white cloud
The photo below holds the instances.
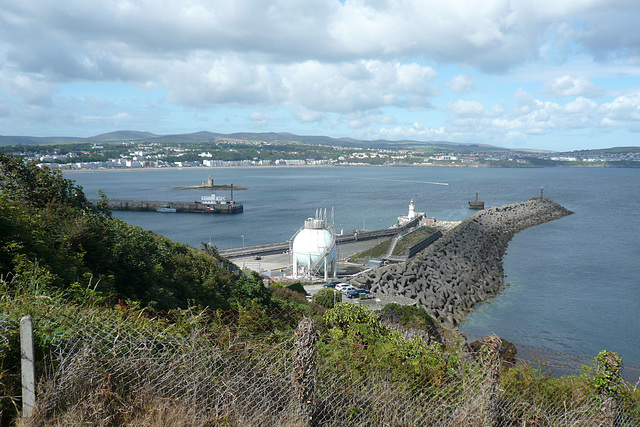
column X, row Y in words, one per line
column 623, row 111
column 100, row 39
column 581, row 106
column 204, row 80
column 32, row 89
column 323, row 60
column 308, row 116
column 532, row 116
column 569, row 86
column 467, row 109
column 260, row 117
column 341, row 87
column 462, row 83
column 414, row 131
column 361, row 85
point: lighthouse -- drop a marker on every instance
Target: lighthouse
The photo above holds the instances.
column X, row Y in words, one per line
column 412, row 210
column 412, row 215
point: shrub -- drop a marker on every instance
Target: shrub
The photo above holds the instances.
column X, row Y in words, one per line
column 327, row 297
column 297, row 287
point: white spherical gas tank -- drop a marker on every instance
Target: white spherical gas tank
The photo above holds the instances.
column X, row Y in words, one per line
column 311, row 243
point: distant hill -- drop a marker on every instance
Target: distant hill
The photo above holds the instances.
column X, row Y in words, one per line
column 611, row 150
column 129, row 135
column 275, row 137
column 122, row 135
column 36, row 140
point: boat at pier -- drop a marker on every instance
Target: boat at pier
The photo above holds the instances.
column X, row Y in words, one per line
column 220, row 204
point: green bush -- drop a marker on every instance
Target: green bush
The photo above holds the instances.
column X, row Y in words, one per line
column 50, row 230
column 360, row 343
column 327, row 297
column 297, row 287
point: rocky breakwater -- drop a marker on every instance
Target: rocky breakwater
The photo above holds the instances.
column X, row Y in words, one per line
column 464, row 267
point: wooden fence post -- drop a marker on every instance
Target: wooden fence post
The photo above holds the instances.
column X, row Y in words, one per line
column 608, row 382
column 304, row 374
column 27, row 366
column 491, row 369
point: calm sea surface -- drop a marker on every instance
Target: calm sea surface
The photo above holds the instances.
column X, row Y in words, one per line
column 575, row 282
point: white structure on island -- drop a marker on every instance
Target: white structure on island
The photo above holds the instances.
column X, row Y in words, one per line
column 313, row 248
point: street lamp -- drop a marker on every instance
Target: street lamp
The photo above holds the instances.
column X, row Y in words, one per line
column 242, row 235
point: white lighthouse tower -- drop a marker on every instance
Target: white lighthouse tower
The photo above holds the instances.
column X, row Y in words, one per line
column 412, row 210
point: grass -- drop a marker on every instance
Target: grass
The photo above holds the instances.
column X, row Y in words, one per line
column 382, row 248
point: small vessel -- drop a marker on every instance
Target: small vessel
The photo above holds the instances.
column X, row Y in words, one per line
column 166, row 208
column 220, row 204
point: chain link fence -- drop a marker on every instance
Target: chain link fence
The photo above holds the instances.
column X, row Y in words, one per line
column 107, row 371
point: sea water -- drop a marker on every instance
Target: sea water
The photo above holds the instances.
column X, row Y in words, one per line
column 574, row 282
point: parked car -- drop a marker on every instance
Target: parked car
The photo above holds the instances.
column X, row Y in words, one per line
column 358, row 293
column 341, row 285
column 331, row 284
column 363, row 293
column 353, row 293
column 346, row 288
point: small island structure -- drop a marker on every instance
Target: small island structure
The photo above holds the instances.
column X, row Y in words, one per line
column 476, row 204
column 209, row 185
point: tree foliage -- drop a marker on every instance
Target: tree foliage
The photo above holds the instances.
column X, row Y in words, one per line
column 360, row 343
column 48, row 227
column 327, row 297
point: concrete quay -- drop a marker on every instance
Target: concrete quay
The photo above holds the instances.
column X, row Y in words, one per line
column 464, row 267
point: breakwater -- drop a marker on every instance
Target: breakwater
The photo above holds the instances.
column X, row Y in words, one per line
column 465, row 266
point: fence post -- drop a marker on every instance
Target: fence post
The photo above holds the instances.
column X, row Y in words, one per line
column 491, row 372
column 608, row 382
column 27, row 366
column 304, row 373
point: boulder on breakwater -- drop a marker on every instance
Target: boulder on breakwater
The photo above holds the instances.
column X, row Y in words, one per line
column 464, row 267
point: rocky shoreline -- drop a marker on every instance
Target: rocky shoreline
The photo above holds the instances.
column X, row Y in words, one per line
column 464, row 267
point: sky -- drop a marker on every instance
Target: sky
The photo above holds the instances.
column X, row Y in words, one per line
column 555, row 75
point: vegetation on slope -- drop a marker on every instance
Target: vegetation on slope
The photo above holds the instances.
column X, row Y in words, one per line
column 49, row 229
column 382, row 248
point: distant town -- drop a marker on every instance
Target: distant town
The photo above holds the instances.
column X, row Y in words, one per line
column 254, row 152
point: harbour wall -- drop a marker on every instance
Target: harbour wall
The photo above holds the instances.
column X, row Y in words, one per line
column 180, row 206
column 465, row 266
